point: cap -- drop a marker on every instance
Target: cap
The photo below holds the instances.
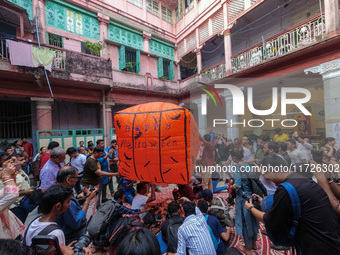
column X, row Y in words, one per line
column 205, row 193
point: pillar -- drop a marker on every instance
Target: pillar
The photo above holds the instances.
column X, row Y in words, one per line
column 103, row 35
column 227, row 52
column 146, row 38
column 232, row 132
column 44, row 113
column 330, row 72
column 202, row 119
column 199, row 61
column 40, row 15
column 109, row 120
column 332, row 17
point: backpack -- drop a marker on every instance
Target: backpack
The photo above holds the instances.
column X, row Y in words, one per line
column 224, row 213
column 278, row 237
column 48, row 229
column 122, row 227
column 100, row 221
column 171, row 234
column 35, row 168
column 213, row 238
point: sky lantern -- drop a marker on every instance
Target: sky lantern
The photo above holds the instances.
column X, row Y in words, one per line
column 157, row 142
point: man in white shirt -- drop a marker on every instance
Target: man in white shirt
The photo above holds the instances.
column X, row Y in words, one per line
column 305, row 147
column 78, row 161
column 141, row 200
column 54, row 201
column 295, row 155
column 246, row 152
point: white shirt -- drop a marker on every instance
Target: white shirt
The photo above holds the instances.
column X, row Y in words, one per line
column 296, row 156
column 305, row 148
column 79, row 162
column 37, row 226
column 139, row 202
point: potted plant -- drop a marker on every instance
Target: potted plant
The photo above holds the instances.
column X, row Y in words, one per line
column 93, row 47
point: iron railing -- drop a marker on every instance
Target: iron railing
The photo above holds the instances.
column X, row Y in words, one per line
column 294, row 39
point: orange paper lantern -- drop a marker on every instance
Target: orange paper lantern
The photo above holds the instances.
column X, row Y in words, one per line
column 158, row 142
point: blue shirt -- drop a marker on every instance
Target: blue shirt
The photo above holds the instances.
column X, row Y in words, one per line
column 48, row 174
column 104, row 167
column 73, row 219
column 217, row 230
column 128, row 190
column 194, row 235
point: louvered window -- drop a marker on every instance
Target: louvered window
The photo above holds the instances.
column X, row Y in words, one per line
column 180, row 48
column 139, row 3
column 166, row 14
column 191, row 41
column 217, row 22
column 204, row 32
column 152, row 7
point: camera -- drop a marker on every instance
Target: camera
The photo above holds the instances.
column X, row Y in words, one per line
column 230, row 199
column 248, row 197
column 83, row 241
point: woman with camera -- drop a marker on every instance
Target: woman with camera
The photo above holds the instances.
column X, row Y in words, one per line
column 246, row 224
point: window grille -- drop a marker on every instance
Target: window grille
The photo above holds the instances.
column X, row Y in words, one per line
column 139, row 3
column 166, row 14
column 15, row 119
column 152, row 7
column 55, row 40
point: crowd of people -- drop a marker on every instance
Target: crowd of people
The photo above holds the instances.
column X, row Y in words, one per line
column 68, row 202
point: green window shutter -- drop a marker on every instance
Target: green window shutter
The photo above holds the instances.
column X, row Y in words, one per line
column 122, row 62
column 171, row 70
column 160, row 67
column 137, row 61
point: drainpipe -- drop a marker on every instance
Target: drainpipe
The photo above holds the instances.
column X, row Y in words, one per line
column 104, row 120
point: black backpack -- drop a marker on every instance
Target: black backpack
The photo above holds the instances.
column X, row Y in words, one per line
column 122, row 227
column 100, row 221
column 171, row 234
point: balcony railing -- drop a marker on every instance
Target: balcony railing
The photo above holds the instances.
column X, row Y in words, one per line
column 59, row 61
column 291, row 40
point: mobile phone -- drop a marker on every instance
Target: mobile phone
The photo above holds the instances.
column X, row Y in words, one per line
column 46, row 245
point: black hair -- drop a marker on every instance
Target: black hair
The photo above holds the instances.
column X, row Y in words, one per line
column 189, row 208
column 273, row 160
column 52, row 145
column 139, row 242
column 273, row 145
column 264, row 137
column 99, row 141
column 71, row 150
column 42, row 148
column 173, row 207
column 53, row 195
column 149, row 218
column 98, row 149
column 65, row 172
column 237, row 153
column 292, row 141
column 203, row 206
column 114, row 141
column 14, row 247
column 207, row 137
column 89, row 143
column 141, row 186
column 118, row 194
column 282, row 146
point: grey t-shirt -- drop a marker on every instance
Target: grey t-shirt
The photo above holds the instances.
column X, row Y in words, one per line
column 296, row 156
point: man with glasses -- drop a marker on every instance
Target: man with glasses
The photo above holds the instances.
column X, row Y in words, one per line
column 73, row 221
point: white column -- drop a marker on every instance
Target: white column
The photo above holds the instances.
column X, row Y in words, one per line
column 202, row 119
column 330, row 72
column 332, row 16
column 232, row 132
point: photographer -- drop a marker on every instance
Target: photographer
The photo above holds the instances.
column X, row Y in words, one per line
column 73, row 221
column 318, row 230
column 246, row 224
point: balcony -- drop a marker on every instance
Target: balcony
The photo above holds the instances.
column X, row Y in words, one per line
column 71, row 65
column 289, row 41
